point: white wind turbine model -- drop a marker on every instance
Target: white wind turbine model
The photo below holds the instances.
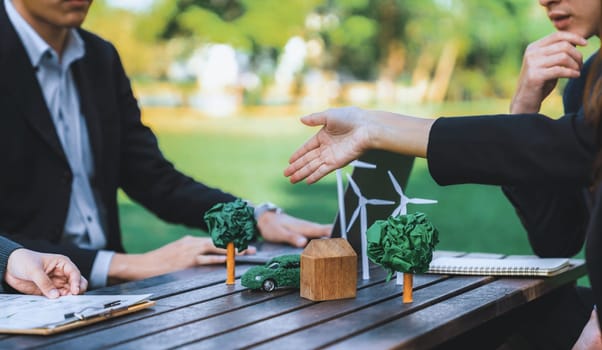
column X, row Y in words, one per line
column 361, row 211
column 402, row 209
column 404, row 200
column 341, row 193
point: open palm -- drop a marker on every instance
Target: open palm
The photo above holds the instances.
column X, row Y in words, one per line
column 340, row 141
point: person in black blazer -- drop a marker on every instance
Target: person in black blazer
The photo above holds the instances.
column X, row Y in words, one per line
column 30, row 272
column 543, row 165
column 36, row 180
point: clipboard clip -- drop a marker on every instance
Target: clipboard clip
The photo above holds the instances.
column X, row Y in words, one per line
column 89, row 312
column 92, row 311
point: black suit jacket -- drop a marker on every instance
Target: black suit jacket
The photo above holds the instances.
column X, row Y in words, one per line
column 544, row 164
column 35, row 178
column 545, row 168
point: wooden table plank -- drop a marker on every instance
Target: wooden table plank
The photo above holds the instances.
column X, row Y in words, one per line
column 445, row 320
column 169, row 312
column 195, row 309
column 174, row 283
column 281, row 323
column 343, row 327
column 225, row 321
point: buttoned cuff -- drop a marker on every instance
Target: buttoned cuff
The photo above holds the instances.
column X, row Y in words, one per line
column 100, row 269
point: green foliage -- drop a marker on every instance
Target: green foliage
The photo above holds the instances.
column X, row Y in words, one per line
column 231, row 222
column 207, row 26
column 355, row 32
column 244, row 24
column 272, row 23
column 158, row 21
column 367, row 39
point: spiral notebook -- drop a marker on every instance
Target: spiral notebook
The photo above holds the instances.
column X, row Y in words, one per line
column 498, row 267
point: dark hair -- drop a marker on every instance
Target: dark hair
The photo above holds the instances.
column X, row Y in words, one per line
column 592, row 104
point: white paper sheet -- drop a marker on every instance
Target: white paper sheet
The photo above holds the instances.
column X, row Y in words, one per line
column 30, row 311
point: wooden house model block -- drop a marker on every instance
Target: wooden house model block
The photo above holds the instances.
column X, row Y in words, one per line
column 328, row 270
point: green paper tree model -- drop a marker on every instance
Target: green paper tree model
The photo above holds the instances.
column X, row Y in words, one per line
column 231, row 225
column 403, row 243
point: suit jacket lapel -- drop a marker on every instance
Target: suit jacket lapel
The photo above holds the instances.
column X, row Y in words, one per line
column 19, row 81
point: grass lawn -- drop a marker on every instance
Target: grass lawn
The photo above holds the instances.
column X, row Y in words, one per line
column 246, row 156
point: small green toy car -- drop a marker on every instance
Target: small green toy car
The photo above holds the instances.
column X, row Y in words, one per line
column 281, row 271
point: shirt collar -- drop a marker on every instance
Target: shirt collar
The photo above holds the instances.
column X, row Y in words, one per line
column 36, row 47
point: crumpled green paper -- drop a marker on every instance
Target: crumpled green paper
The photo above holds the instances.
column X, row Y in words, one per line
column 403, row 243
column 231, row 222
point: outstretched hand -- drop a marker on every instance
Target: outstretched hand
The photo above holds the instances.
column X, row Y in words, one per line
column 36, row 273
column 183, row 253
column 544, row 62
column 341, row 140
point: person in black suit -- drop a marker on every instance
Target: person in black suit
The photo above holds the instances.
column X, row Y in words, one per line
column 30, row 272
column 71, row 135
column 543, row 165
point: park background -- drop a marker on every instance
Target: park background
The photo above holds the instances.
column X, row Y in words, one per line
column 224, row 82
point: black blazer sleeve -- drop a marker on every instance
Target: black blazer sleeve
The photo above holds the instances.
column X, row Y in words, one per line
column 555, row 218
column 529, row 149
column 6, row 248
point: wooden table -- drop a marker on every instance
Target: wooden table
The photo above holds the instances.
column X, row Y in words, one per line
column 195, row 309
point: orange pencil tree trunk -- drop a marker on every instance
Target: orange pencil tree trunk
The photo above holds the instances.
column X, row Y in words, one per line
column 230, row 263
column 408, row 285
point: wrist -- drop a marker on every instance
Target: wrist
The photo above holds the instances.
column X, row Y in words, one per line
column 126, row 267
column 401, row 134
column 265, row 207
column 524, row 105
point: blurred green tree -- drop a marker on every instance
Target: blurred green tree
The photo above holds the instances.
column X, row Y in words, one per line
column 118, row 25
column 478, row 45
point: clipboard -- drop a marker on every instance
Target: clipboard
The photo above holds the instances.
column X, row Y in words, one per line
column 87, row 316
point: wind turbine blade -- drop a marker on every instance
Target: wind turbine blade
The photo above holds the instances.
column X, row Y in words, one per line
column 396, row 211
column 395, row 183
column 421, row 201
column 360, row 164
column 354, row 186
column 379, row 202
column 353, row 217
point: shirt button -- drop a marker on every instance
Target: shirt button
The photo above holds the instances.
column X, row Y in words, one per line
column 89, row 218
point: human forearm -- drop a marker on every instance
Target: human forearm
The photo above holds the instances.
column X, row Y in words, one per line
column 399, row 133
column 350, row 131
column 186, row 252
column 524, row 103
column 129, row 267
